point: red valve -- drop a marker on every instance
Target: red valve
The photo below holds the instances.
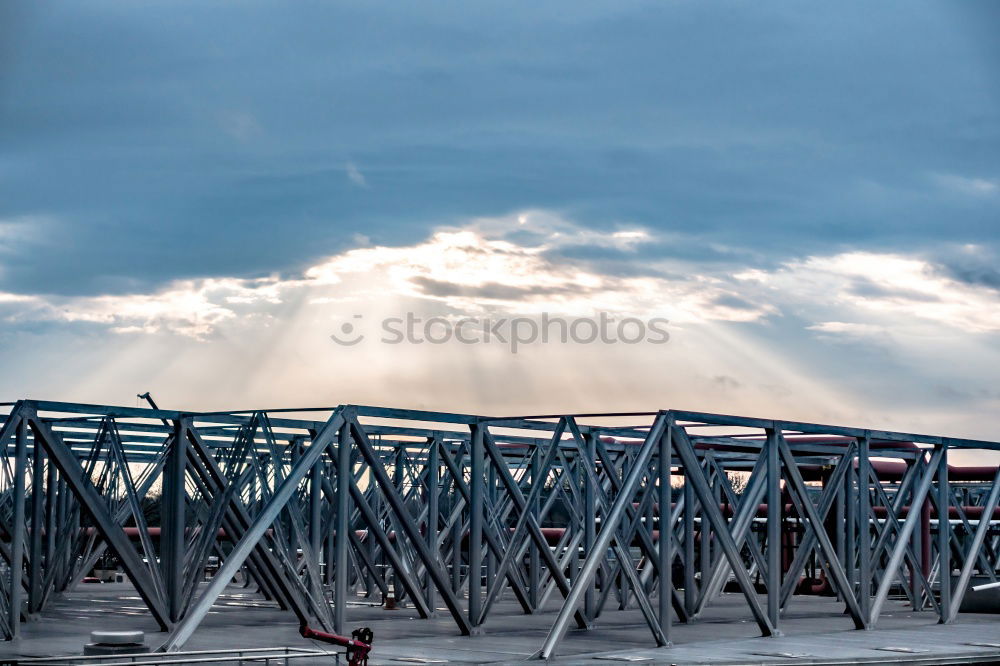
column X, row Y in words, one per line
column 358, row 645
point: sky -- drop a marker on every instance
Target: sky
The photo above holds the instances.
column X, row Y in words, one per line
column 194, row 197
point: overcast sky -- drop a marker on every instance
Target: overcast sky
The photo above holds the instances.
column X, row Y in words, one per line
column 195, row 196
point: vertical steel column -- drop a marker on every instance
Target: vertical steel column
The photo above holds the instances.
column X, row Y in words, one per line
column 376, row 506
column 17, row 538
column 35, row 541
column 922, row 570
column 647, row 525
column 172, row 535
column 51, row 497
column 456, row 555
column 690, row 594
column 864, row 526
column 285, row 519
column 329, row 548
column 774, row 528
column 397, row 483
column 705, row 527
column 316, row 508
column 433, row 519
column 850, row 526
column 65, row 553
column 839, row 525
column 534, row 559
column 342, row 531
column 665, row 542
column 944, row 537
column 476, row 481
column 589, row 521
column 491, row 561
column 624, row 584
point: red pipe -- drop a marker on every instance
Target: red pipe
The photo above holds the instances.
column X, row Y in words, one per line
column 810, row 586
column 358, row 646
column 890, row 470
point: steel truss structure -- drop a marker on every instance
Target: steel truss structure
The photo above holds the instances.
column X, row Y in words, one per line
column 570, row 514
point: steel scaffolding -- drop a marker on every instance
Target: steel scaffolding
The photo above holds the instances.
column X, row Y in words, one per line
column 562, row 513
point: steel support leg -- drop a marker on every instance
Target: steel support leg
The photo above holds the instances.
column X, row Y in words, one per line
column 944, row 537
column 17, row 538
column 477, row 480
column 345, row 476
column 773, row 528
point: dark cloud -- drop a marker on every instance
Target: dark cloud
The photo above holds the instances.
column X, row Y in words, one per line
column 975, row 265
column 866, row 288
column 492, row 291
column 189, row 139
column 735, row 302
column 690, row 248
column 977, row 269
column 985, row 276
column 725, row 382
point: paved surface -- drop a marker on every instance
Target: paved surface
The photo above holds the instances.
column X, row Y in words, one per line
column 816, row 631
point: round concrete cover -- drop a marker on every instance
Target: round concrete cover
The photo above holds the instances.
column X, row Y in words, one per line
column 117, row 637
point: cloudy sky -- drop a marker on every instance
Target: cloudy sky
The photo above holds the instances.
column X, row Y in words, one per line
column 195, row 197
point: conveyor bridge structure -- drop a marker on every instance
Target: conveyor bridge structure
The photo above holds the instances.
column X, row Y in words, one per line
column 317, row 508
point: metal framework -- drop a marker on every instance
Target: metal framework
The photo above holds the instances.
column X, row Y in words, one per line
column 575, row 515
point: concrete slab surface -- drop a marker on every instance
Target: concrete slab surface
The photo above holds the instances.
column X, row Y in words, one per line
column 815, row 632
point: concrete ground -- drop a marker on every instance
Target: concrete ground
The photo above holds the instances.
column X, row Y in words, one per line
column 815, row 631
